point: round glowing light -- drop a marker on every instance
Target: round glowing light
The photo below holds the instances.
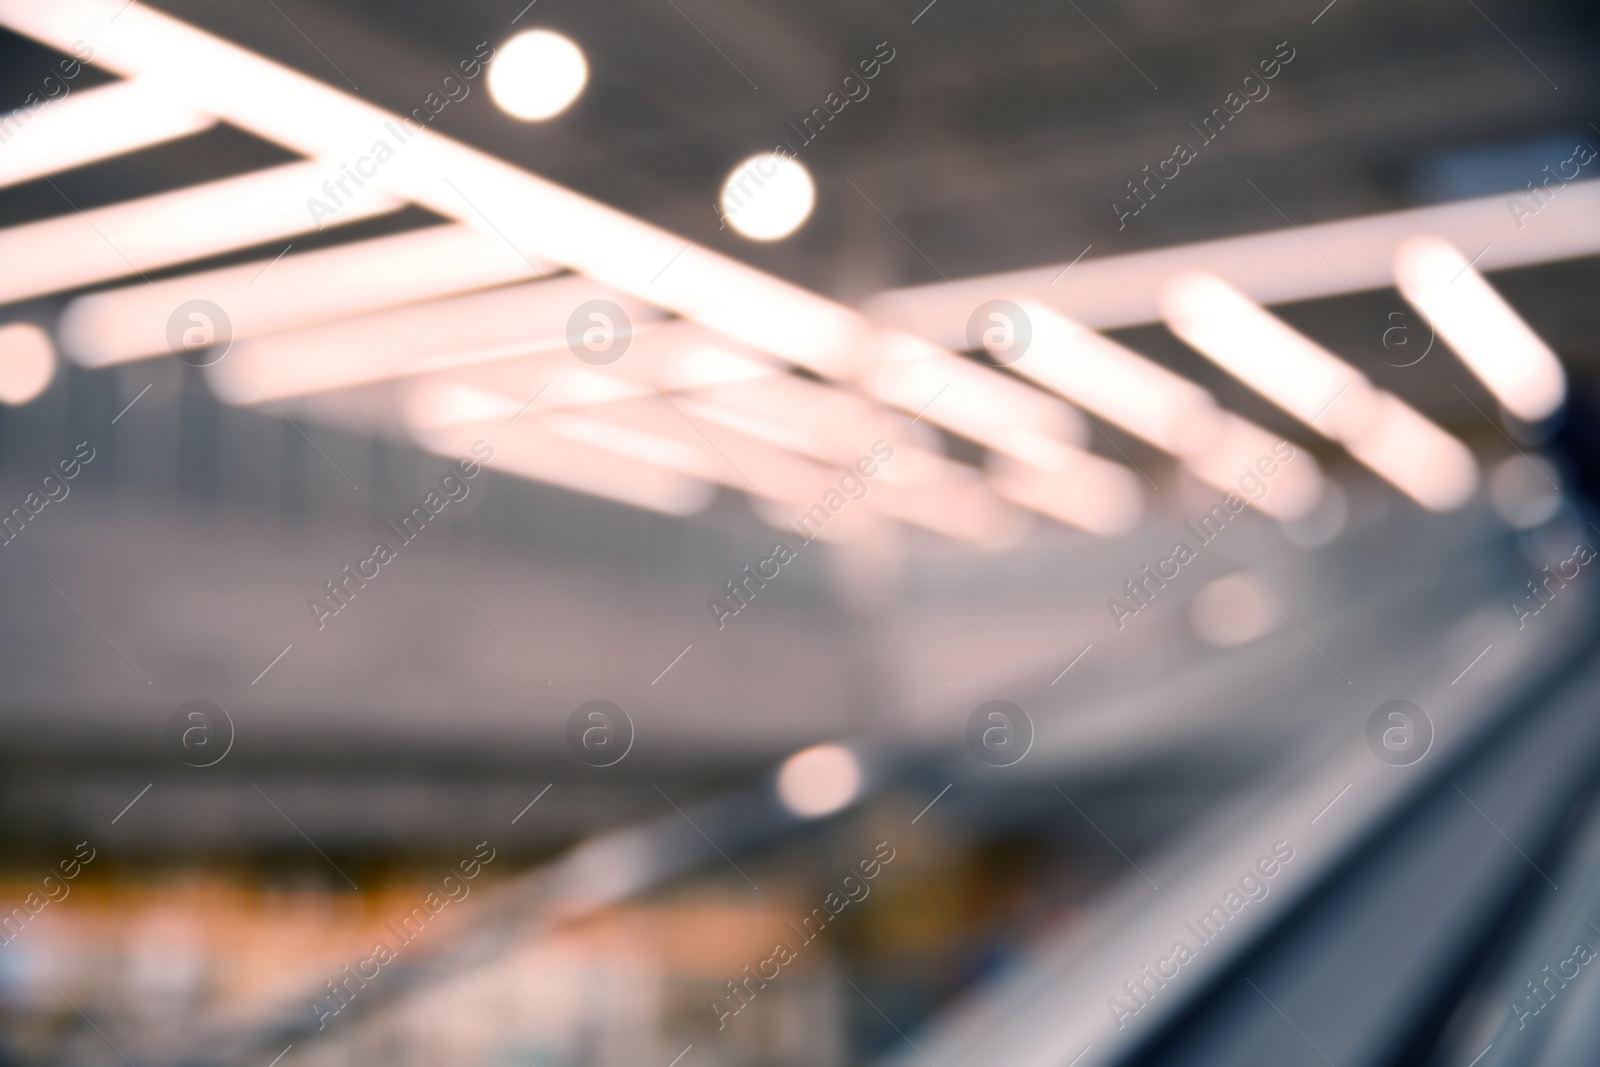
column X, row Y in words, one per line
column 27, row 362
column 536, row 75
column 819, row 780
column 768, row 196
column 1525, row 491
column 1228, row 612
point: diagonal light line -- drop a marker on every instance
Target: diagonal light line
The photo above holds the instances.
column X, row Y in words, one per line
column 901, row 232
column 890, row 1021
column 931, row 803
column 274, row 663
column 670, row 262
column 543, row 791
column 1080, row 1056
column 1328, row 405
column 680, row 1056
column 131, row 803
column 673, row 664
column 1105, row 835
column 524, row 11
column 1331, row 803
column 302, row 433
column 257, row 278
column 1480, row 1056
column 1113, row 44
column 121, row 9
column 1069, row 266
column 1286, row 1019
column 536, row 396
column 1071, row 665
column 542, row 275
column 132, row 402
column 313, row 44
column 492, row 1026
column 499, row 631
column 1296, row 629
column 924, row 11
column 1471, row 665
column 929, row 404
column 702, row 833
column 896, row 629
column 1470, row 265
column 280, row 1056
column 1513, row 44
column 90, row 1021
column 703, row 436
column 96, row 229
column 713, row 44
column 1324, row 11
column 1508, row 440
column 1102, row 433
column 1298, row 230
column 302, row 833
column 99, row 631
column 1502, row 833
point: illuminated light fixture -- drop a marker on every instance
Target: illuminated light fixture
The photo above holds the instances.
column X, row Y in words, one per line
column 536, row 216
column 1272, row 267
column 489, row 325
column 1228, row 612
column 1525, row 491
column 536, row 454
column 1248, row 461
column 1095, row 495
column 973, row 401
column 1159, row 407
column 82, row 248
column 960, row 505
column 1480, row 327
column 819, row 780
column 27, row 362
column 767, row 196
column 92, row 125
column 536, row 75
column 1134, row 393
column 299, row 289
column 1413, row 454
column 1327, row 394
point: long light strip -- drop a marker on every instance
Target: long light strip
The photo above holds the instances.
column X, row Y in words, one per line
column 1319, row 389
column 1474, row 320
column 297, row 290
column 1088, row 492
column 81, row 248
column 536, row 216
column 914, row 486
column 1160, row 408
column 973, row 401
column 1137, row 394
column 493, row 324
column 535, row 453
column 92, row 125
column 1276, row 266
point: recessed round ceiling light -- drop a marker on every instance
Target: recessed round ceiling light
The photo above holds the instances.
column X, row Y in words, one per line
column 768, row 196
column 535, row 75
column 819, row 780
column 27, row 362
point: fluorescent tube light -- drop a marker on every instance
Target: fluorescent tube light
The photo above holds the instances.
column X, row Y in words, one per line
column 1476, row 322
column 91, row 125
column 81, row 248
column 297, row 290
